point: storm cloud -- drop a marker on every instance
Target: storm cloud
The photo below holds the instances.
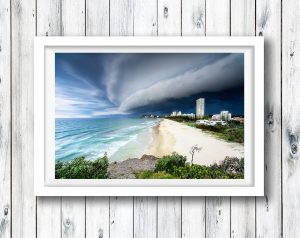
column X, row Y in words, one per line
column 95, row 85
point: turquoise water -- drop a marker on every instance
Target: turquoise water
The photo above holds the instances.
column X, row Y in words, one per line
column 120, row 138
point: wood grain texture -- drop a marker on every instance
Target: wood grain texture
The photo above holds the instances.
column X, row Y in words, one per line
column 290, row 117
column 169, row 17
column 145, row 217
column 268, row 208
column 193, row 217
column 217, row 217
column 193, row 17
column 48, row 23
column 145, row 17
column 73, row 17
column 73, row 217
column 97, row 217
column 97, row 17
column 242, row 208
column 48, row 19
column 48, row 222
column 169, row 217
column 5, row 120
column 23, row 201
column 121, row 17
column 121, row 217
column 218, row 208
column 218, row 17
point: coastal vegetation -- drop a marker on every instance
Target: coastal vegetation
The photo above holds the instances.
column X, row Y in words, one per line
column 172, row 166
column 175, row 167
column 232, row 132
column 80, row 168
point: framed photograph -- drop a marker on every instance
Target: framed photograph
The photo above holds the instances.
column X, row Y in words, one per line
column 149, row 116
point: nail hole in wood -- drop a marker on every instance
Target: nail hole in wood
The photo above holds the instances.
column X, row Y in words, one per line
column 100, row 233
column 5, row 210
column 68, row 222
column 294, row 149
column 166, row 12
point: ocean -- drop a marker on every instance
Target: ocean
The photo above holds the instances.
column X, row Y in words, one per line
column 120, row 138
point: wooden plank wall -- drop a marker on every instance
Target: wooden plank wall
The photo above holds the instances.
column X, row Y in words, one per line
column 274, row 215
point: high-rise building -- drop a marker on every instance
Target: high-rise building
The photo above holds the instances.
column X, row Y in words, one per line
column 200, row 107
column 225, row 115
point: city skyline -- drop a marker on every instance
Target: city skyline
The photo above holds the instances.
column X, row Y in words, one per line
column 91, row 85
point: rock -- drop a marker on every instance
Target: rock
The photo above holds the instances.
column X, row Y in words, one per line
column 127, row 168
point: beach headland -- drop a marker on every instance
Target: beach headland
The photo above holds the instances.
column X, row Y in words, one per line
column 170, row 136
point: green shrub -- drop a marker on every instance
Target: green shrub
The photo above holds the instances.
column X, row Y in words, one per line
column 80, row 168
column 154, row 175
column 169, row 162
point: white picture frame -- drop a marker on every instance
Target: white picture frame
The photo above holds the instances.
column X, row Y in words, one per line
column 45, row 183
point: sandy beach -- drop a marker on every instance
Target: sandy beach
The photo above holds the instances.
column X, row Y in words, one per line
column 171, row 136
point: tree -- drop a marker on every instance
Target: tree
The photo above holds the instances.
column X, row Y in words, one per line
column 194, row 149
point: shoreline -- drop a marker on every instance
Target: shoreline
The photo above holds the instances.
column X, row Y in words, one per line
column 170, row 136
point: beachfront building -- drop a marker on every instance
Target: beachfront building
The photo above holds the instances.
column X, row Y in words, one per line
column 174, row 114
column 179, row 113
column 211, row 123
column 216, row 117
column 189, row 115
column 239, row 119
column 225, row 115
column 200, row 107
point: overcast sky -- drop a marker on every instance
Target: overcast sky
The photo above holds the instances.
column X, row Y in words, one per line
column 104, row 85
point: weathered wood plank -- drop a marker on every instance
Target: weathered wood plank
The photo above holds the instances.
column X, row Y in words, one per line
column 48, row 217
column 73, row 17
column 145, row 17
column 5, row 120
column 193, row 217
column 217, row 217
column 169, row 17
column 242, row 217
column 145, row 208
column 145, row 217
column 97, row 18
column 218, row 17
column 268, row 208
column 121, row 217
column 242, row 208
column 218, row 208
column 73, row 209
column 193, row 208
column 23, row 200
column 121, row 17
column 48, row 208
column 169, row 217
column 193, row 17
column 290, row 117
column 97, row 217
column 242, row 18
column 48, row 19
column 73, row 217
